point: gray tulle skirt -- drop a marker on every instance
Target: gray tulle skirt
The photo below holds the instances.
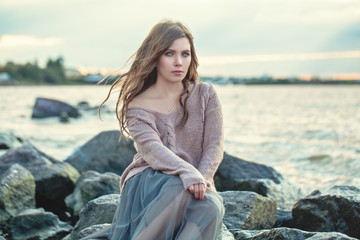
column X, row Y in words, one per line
column 154, row 205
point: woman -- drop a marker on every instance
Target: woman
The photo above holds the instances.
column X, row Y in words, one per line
column 168, row 191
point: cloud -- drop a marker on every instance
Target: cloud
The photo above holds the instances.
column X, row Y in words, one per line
column 15, row 41
column 235, row 59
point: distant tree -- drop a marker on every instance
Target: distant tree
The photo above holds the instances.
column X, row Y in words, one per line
column 54, row 72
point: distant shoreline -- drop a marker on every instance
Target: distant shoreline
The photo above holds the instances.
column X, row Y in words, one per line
column 213, row 81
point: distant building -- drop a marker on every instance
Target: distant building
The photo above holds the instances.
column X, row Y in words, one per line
column 5, row 77
column 93, row 78
column 72, row 73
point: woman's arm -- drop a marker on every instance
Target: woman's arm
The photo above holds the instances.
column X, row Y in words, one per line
column 159, row 157
column 213, row 151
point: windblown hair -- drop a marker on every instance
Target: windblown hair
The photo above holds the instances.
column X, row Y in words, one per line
column 143, row 73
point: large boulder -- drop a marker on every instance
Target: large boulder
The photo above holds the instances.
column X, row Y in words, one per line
column 240, row 175
column 284, row 219
column 103, row 153
column 54, row 179
column 27, row 156
column 17, row 193
column 38, row 224
column 9, row 140
column 248, row 210
column 287, row 234
column 336, row 209
column 93, row 229
column 89, row 186
column 45, row 107
column 224, row 235
column 98, row 211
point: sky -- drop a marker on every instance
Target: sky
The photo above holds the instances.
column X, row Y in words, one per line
column 232, row 37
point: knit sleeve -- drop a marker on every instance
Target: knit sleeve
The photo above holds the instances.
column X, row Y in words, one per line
column 213, row 151
column 156, row 154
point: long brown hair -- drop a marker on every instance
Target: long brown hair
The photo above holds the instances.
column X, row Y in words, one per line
column 143, row 74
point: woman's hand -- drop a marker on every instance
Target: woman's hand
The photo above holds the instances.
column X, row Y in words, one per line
column 198, row 190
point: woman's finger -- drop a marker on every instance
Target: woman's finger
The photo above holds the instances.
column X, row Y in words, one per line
column 191, row 189
column 196, row 191
column 201, row 191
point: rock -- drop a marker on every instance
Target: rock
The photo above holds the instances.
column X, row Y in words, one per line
column 53, row 184
column 64, row 117
column 248, row 210
column 17, row 193
column 27, row 156
column 83, row 104
column 287, row 234
column 284, row 219
column 240, row 175
column 38, row 224
column 89, row 186
column 225, row 233
column 54, row 179
column 337, row 209
column 98, row 211
column 45, row 107
column 93, row 229
column 9, row 140
column 103, row 153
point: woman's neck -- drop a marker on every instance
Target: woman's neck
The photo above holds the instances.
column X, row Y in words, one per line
column 165, row 90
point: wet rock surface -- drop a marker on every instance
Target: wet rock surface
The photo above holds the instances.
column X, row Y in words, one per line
column 337, row 209
column 103, row 153
column 38, row 224
column 248, row 210
column 45, row 107
column 89, row 186
column 240, row 175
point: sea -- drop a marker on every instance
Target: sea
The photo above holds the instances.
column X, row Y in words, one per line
column 308, row 133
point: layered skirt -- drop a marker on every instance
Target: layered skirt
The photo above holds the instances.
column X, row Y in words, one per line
column 154, row 205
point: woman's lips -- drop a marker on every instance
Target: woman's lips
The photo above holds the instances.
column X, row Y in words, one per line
column 177, row 72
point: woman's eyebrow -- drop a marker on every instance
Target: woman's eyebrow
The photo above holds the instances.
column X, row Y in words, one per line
column 171, row 50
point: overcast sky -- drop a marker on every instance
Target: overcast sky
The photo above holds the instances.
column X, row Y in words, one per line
column 232, row 37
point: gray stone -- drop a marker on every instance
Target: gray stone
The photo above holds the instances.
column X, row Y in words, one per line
column 225, row 233
column 284, row 219
column 248, row 210
column 89, row 186
column 103, row 153
column 93, row 229
column 17, row 193
column 9, row 140
column 27, row 156
column 337, row 209
column 98, row 211
column 45, row 107
column 287, row 234
column 54, row 179
column 240, row 175
column 38, row 224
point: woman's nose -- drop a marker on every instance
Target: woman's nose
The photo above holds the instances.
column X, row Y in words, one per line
column 178, row 61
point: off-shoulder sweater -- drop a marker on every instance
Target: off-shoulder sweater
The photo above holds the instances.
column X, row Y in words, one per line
column 193, row 152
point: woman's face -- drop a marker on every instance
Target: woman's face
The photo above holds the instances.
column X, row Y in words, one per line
column 174, row 63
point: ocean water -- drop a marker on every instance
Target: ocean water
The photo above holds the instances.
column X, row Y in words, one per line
column 309, row 133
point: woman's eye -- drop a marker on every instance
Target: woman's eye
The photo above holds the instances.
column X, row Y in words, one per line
column 186, row 54
column 169, row 54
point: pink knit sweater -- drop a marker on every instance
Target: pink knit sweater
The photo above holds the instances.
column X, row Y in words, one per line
column 193, row 152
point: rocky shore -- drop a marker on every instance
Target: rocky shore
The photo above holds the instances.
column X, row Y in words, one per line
column 44, row 198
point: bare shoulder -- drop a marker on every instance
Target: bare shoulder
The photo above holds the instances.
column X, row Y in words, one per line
column 140, row 100
column 137, row 101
